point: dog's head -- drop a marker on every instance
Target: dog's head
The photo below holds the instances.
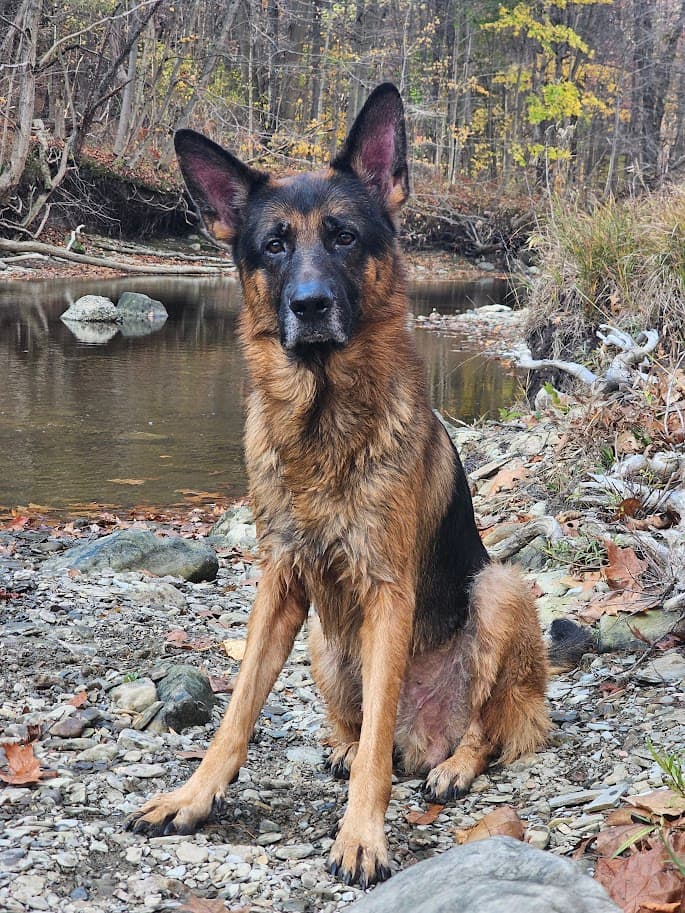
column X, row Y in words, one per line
column 303, row 243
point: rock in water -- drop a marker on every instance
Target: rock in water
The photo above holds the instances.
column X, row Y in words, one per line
column 490, row 876
column 139, row 549
column 188, row 698
column 92, row 309
column 136, row 306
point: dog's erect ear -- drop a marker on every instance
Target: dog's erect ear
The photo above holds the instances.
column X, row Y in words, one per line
column 218, row 182
column 376, row 148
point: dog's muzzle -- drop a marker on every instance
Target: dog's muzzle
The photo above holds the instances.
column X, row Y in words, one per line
column 310, row 314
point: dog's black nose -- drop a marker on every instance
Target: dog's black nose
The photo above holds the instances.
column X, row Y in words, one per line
column 310, row 301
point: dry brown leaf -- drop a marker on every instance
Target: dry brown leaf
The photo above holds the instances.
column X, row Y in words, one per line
column 222, row 684
column 427, row 817
column 613, row 603
column 23, row 766
column 641, row 882
column 611, row 839
column 502, row 822
column 78, row 700
column 178, row 638
column 660, row 802
column 507, row 477
column 193, row 904
column 191, row 754
column 624, row 568
column 234, row 648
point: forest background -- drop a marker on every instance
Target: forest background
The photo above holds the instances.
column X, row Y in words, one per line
column 506, row 101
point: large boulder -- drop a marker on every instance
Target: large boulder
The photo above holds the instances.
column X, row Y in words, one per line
column 92, row 309
column 490, row 876
column 136, row 306
column 139, row 549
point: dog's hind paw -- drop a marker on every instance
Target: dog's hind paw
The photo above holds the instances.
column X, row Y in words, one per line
column 444, row 783
column 339, row 762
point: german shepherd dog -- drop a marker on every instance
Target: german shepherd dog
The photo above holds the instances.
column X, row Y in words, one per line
column 418, row 642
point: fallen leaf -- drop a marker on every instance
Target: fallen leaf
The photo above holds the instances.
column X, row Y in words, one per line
column 623, row 568
column 78, row 700
column 502, row 822
column 427, row 817
column 234, row 648
column 507, row 477
column 628, row 507
column 23, row 766
column 642, row 882
column 660, row 802
column 194, row 904
column 8, row 594
column 178, row 638
column 222, row 684
column 191, row 754
column 610, row 840
column 613, row 603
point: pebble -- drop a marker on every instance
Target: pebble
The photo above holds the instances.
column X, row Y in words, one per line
column 192, row 852
column 295, row 851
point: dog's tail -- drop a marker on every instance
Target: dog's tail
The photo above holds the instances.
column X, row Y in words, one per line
column 568, row 642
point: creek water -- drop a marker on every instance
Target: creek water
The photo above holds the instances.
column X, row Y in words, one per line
column 157, row 419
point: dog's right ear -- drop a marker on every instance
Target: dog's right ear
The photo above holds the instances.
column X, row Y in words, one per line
column 218, row 182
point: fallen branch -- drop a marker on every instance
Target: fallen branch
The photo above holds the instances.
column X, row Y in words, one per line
column 60, row 253
column 544, row 526
column 633, row 353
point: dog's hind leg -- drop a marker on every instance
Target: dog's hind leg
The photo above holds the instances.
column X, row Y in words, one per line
column 339, row 680
column 277, row 615
column 508, row 676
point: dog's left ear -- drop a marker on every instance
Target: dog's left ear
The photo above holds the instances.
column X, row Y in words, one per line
column 376, row 148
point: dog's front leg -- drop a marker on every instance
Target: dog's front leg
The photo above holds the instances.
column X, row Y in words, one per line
column 360, row 852
column 279, row 610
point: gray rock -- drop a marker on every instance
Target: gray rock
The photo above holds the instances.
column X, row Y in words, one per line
column 69, row 727
column 615, row 630
column 294, row 851
column 140, row 549
column 188, row 698
column 235, row 529
column 490, row 876
column 92, row 309
column 134, row 696
column 669, row 668
column 136, row 306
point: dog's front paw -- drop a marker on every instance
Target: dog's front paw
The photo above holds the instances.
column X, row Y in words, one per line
column 179, row 812
column 340, row 760
column 360, row 855
column 447, row 781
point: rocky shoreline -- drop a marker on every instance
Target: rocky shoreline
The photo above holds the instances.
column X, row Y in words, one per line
column 77, row 644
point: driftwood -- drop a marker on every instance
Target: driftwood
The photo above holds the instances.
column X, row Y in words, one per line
column 544, row 526
column 61, row 253
column 619, row 373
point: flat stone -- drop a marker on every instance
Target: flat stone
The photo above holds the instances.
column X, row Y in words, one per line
column 141, row 771
column 134, row 696
column 489, row 876
column 569, row 800
column 294, row 851
column 69, row 727
column 608, row 798
column 192, row 853
column 669, row 668
column 102, row 752
column 304, row 754
column 615, row 630
column 139, row 549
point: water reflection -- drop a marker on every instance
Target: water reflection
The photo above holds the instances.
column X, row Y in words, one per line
column 157, row 419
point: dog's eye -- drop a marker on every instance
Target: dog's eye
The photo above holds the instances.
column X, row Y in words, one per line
column 274, row 246
column 345, row 238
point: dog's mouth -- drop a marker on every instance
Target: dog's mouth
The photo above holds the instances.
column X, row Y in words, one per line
column 317, row 351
